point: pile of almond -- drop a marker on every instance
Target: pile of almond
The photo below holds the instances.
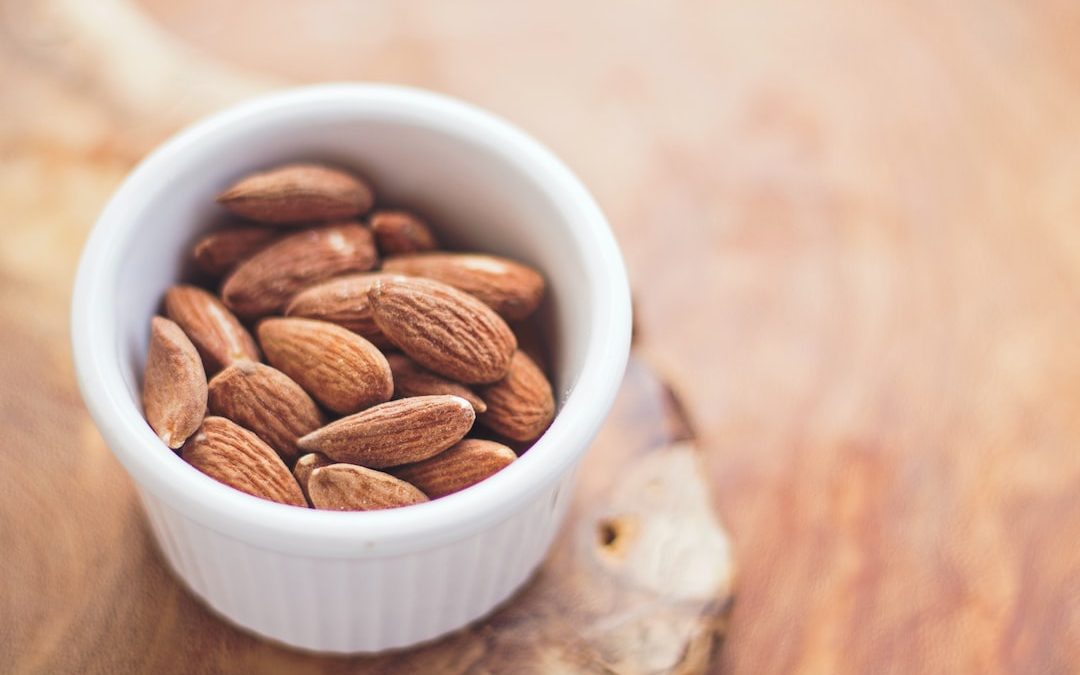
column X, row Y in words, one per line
column 350, row 362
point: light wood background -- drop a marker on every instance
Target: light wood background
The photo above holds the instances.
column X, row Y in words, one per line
column 853, row 230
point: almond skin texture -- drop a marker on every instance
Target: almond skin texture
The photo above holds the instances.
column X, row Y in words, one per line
column 340, row 369
column 266, row 401
column 522, row 405
column 174, row 384
column 399, row 232
column 443, row 329
column 215, row 332
column 398, row 432
column 510, row 288
column 264, row 283
column 298, row 193
column 343, row 301
column 345, row 487
column 219, row 252
column 412, row 380
column 463, row 465
column 305, row 465
column 236, row 457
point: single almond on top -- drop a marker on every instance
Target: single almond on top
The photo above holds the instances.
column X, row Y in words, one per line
column 266, row 401
column 230, row 454
column 340, row 369
column 466, row 464
column 346, row 487
column 305, row 465
column 344, row 301
column 399, row 432
column 298, row 193
column 399, row 231
column 215, row 332
column 412, row 380
column 218, row 253
column 510, row 288
column 443, row 329
column 264, row 283
column 522, row 405
column 174, row 384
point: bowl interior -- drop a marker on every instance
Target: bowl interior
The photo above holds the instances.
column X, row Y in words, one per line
column 475, row 197
column 483, row 184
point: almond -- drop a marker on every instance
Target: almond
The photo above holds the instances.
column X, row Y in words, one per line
column 298, row 193
column 235, row 456
column 174, row 384
column 467, row 463
column 401, row 232
column 216, row 333
column 340, row 369
column 399, row 432
column 510, row 288
column 412, row 380
column 344, row 301
column 305, row 465
column 266, row 401
column 218, row 253
column 522, row 405
column 443, row 329
column 346, row 487
column 264, row 283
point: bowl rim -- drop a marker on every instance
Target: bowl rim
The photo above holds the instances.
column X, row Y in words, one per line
column 279, row 527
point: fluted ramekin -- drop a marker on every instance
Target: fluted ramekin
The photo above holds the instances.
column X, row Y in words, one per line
column 357, row 582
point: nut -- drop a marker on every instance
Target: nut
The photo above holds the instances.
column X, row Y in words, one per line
column 266, row 401
column 219, row 252
column 522, row 405
column 510, row 288
column 399, row 432
column 344, row 301
column 340, row 369
column 412, row 380
column 236, row 457
column 401, row 232
column 264, row 283
column 443, row 329
column 215, row 332
column 346, row 487
column 466, row 464
column 298, row 193
column 174, row 384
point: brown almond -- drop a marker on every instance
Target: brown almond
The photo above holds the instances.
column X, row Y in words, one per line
column 232, row 455
column 264, row 283
column 344, row 301
column 174, row 384
column 219, row 252
column 398, row 232
column 340, row 369
column 522, row 405
column 443, row 329
column 412, row 380
column 215, row 332
column 399, row 432
column 266, row 401
column 298, row 193
column 466, row 464
column 510, row 288
column 305, row 465
column 346, row 487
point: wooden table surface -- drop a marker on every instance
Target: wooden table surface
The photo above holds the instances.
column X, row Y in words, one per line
column 853, row 232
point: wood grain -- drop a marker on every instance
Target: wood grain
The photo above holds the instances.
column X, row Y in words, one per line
column 854, row 233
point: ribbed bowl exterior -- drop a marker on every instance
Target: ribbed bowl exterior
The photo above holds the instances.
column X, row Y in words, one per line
column 360, row 604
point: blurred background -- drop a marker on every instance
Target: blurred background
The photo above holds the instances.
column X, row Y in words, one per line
column 853, row 233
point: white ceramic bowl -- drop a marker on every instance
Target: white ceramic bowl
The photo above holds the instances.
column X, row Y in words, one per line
column 349, row 582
